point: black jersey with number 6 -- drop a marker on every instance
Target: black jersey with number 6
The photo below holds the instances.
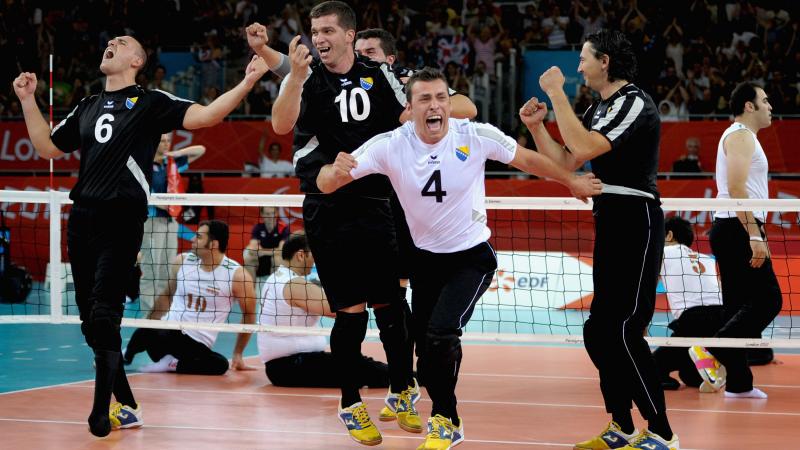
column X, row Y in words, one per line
column 118, row 133
column 338, row 113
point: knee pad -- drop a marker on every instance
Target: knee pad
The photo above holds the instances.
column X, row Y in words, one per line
column 394, row 314
column 442, row 346
column 104, row 327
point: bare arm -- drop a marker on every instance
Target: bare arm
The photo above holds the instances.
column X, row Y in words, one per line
column 307, row 296
column 333, row 176
column 739, row 148
column 244, row 291
column 258, row 40
column 38, row 128
column 532, row 115
column 194, row 152
column 199, row 116
column 532, row 162
column 286, row 109
column 164, row 299
column 462, row 107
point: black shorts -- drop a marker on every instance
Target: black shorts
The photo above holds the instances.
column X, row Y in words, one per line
column 354, row 246
column 405, row 244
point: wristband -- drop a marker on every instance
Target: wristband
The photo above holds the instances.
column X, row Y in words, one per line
column 757, row 238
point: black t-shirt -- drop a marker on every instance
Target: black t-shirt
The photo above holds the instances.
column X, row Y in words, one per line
column 270, row 238
column 118, row 133
column 629, row 120
column 338, row 113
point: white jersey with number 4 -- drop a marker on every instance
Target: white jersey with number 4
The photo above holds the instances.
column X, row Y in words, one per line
column 690, row 279
column 440, row 186
column 202, row 296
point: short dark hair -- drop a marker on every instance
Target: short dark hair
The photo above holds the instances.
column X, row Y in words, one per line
column 388, row 42
column 217, row 231
column 622, row 59
column 426, row 74
column 343, row 11
column 743, row 92
column 294, row 244
column 681, row 230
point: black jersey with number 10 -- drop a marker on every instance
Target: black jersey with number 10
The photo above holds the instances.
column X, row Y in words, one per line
column 338, row 113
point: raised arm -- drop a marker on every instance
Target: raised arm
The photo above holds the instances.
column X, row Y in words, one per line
column 258, row 40
column 307, row 296
column 462, row 107
column 532, row 115
column 199, row 116
column 333, row 176
column 164, row 299
column 38, row 128
column 286, row 109
column 582, row 187
column 245, row 293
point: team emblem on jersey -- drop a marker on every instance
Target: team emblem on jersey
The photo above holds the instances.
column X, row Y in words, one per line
column 131, row 102
column 109, row 104
column 366, row 83
column 462, row 153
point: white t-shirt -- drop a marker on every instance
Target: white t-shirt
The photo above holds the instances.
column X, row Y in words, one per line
column 441, row 186
column 203, row 297
column 690, row 279
column 275, row 310
column 757, row 182
column 275, row 169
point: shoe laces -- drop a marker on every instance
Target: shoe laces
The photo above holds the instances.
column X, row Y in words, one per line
column 116, row 408
column 404, row 401
column 362, row 416
column 643, row 436
column 438, row 422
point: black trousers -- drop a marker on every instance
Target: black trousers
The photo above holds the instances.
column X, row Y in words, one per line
column 752, row 297
column 103, row 241
column 698, row 321
column 446, row 288
column 628, row 248
column 193, row 357
column 316, row 369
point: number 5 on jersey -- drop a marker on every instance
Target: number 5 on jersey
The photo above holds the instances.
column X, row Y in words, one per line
column 434, row 181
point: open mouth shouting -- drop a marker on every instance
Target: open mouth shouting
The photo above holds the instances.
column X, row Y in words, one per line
column 434, row 122
column 109, row 53
column 323, row 51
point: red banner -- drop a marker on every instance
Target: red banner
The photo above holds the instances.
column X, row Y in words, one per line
column 232, row 144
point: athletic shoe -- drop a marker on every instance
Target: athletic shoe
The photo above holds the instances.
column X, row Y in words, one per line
column 442, row 434
column 356, row 418
column 709, row 368
column 407, row 415
column 611, row 437
column 648, row 440
column 389, row 412
column 166, row 364
column 123, row 416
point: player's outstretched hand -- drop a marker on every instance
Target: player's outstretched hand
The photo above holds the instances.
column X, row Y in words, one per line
column 300, row 57
column 345, row 162
column 237, row 363
column 552, row 81
column 533, row 112
column 585, row 186
column 256, row 36
column 25, row 85
column 255, row 70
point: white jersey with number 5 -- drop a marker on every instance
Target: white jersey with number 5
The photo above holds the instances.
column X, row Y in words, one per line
column 203, row 297
column 690, row 279
column 440, row 186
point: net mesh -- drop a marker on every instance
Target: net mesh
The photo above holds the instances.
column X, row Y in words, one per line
column 541, row 291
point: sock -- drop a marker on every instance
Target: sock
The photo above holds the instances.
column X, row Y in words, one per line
column 106, row 363
column 166, row 364
column 659, row 425
column 394, row 336
column 122, row 389
column 624, row 420
column 347, row 334
column 754, row 393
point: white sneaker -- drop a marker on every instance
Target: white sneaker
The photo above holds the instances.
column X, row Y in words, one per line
column 166, row 364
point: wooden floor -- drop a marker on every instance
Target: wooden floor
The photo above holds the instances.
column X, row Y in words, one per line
column 510, row 397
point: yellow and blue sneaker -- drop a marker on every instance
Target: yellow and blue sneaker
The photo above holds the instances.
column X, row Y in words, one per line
column 407, row 415
column 611, row 437
column 648, row 440
column 123, row 416
column 389, row 412
column 713, row 373
column 356, row 418
column 442, row 434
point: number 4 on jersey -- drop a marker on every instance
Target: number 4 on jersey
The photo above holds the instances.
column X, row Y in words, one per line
column 436, row 181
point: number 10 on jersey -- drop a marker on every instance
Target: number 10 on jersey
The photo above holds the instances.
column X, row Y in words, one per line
column 352, row 104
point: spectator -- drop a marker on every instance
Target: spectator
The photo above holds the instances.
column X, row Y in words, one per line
column 159, row 80
column 263, row 253
column 272, row 166
column 555, row 27
column 690, row 162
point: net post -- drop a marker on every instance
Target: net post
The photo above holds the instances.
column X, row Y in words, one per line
column 56, row 287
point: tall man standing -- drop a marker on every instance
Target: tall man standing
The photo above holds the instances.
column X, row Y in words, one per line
column 118, row 132
column 620, row 135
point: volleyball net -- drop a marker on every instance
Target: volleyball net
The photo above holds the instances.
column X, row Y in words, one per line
column 541, row 292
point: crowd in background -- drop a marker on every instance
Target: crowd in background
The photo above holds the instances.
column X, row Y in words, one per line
column 691, row 52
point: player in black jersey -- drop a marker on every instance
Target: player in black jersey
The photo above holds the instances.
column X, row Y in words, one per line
column 620, row 135
column 336, row 103
column 118, row 132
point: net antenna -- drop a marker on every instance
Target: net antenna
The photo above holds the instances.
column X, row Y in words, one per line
column 51, row 117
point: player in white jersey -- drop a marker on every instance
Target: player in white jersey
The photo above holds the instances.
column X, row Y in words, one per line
column 202, row 287
column 750, row 291
column 436, row 166
column 289, row 299
column 694, row 297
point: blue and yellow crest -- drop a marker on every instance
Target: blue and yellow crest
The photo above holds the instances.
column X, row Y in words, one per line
column 462, row 153
column 367, row 83
column 131, row 102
